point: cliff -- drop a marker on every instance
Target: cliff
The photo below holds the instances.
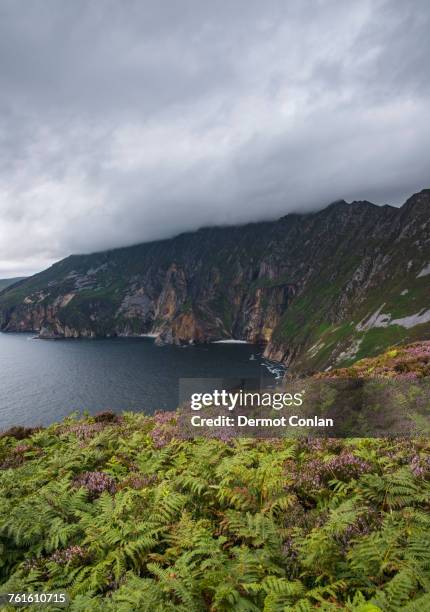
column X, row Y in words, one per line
column 318, row 290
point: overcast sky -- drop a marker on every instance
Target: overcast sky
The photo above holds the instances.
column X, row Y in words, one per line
column 123, row 121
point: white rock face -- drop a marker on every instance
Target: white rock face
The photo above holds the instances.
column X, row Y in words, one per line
column 425, row 271
column 315, row 349
column 379, row 319
column 351, row 351
column 412, row 320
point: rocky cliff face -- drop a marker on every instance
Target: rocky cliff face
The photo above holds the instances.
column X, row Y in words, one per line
column 317, row 290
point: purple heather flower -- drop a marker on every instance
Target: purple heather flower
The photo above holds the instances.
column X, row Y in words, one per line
column 316, row 473
column 95, row 483
column 85, row 431
column 68, row 555
column 165, row 428
column 420, row 466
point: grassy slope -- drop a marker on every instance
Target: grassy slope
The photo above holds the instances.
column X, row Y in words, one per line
column 302, row 322
column 6, row 282
column 123, row 516
column 396, row 287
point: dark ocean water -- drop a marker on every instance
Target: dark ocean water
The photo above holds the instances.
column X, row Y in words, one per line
column 41, row 381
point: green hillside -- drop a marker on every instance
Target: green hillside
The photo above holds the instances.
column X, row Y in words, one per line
column 6, row 282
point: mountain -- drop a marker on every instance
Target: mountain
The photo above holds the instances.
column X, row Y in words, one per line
column 319, row 290
column 6, row 282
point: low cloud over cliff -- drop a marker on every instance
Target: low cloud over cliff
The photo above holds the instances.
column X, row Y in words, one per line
column 128, row 121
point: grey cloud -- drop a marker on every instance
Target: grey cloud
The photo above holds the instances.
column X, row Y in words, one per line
column 125, row 121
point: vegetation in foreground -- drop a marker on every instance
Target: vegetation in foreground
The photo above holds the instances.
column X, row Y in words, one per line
column 124, row 516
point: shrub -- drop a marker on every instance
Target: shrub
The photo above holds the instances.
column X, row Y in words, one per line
column 19, row 432
column 95, row 483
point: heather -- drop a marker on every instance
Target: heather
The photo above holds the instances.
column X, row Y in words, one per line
column 408, row 362
column 124, row 515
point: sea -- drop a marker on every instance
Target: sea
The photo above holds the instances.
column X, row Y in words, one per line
column 42, row 381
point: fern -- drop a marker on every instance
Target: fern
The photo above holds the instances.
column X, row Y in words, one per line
column 206, row 525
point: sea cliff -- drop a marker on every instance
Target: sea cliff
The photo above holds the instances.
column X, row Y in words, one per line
column 317, row 290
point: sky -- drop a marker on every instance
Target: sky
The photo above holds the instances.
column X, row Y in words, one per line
column 123, row 121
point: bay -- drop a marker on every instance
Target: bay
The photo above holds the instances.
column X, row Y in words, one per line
column 42, row 381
